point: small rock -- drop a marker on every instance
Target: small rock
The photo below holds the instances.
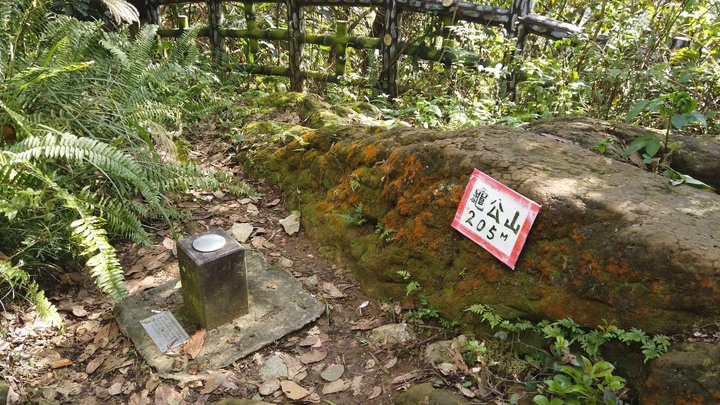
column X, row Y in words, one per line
column 392, row 334
column 441, row 352
column 291, row 224
column 426, row 394
column 274, row 367
column 447, row 368
column 312, row 281
column 241, row 231
column 333, row 372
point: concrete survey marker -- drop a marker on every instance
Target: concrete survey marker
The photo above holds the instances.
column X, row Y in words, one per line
column 214, row 283
column 278, row 305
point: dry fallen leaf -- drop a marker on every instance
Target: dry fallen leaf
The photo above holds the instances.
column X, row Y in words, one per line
column 391, row 362
column 294, row 367
column 465, row 391
column 214, row 380
column 293, row 391
column 94, row 364
column 139, row 398
column 331, row 291
column 332, row 372
column 336, row 386
column 356, row 385
column 366, row 324
column 60, row 363
column 79, row 311
column 309, row 340
column 269, row 386
column 286, row 263
column 115, row 389
column 165, row 394
column 273, row 203
column 407, row 377
column 195, row 344
column 169, row 244
column 312, row 356
column 375, row 392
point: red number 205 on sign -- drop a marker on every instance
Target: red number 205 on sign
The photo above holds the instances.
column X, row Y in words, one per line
column 495, row 217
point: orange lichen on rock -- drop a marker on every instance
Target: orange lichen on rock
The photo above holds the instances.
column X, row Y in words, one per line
column 369, row 154
column 491, row 274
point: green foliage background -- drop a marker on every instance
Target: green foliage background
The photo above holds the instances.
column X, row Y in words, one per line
column 91, row 129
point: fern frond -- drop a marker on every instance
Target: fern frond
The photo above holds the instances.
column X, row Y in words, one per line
column 90, row 237
column 123, row 221
column 122, row 11
column 18, row 279
column 85, row 150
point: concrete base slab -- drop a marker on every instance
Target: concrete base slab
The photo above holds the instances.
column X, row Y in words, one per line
column 278, row 305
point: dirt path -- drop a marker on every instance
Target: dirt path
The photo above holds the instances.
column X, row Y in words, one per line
column 92, row 362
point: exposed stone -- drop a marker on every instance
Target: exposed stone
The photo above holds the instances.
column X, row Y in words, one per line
column 690, row 374
column 392, row 334
column 273, row 367
column 426, row 394
column 611, row 242
column 291, row 224
column 441, row 352
column 241, row 231
column 698, row 157
column 278, row 306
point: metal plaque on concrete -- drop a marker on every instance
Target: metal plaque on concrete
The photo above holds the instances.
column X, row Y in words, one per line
column 165, row 331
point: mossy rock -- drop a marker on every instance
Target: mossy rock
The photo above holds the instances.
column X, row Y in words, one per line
column 585, row 258
column 690, row 374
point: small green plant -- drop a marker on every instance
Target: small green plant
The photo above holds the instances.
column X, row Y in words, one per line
column 649, row 144
column 473, row 351
column 356, row 217
column 565, row 333
column 587, row 383
column 385, row 235
column 355, row 183
column 411, row 286
column 676, row 109
column 14, row 280
column 603, row 144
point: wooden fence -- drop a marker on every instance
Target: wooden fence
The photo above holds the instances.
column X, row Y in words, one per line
column 518, row 21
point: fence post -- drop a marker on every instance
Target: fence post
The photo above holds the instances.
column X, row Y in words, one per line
column 341, row 31
column 251, row 24
column 390, row 48
column 217, row 18
column 183, row 22
column 296, row 25
column 152, row 12
column 519, row 10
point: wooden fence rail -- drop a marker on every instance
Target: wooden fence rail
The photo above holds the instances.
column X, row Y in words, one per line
column 518, row 21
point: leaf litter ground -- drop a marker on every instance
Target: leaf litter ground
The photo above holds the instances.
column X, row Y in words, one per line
column 331, row 359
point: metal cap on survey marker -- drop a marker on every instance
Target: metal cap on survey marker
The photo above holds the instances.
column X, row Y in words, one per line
column 208, row 243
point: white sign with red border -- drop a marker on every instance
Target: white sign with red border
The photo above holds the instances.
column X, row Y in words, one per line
column 495, row 217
